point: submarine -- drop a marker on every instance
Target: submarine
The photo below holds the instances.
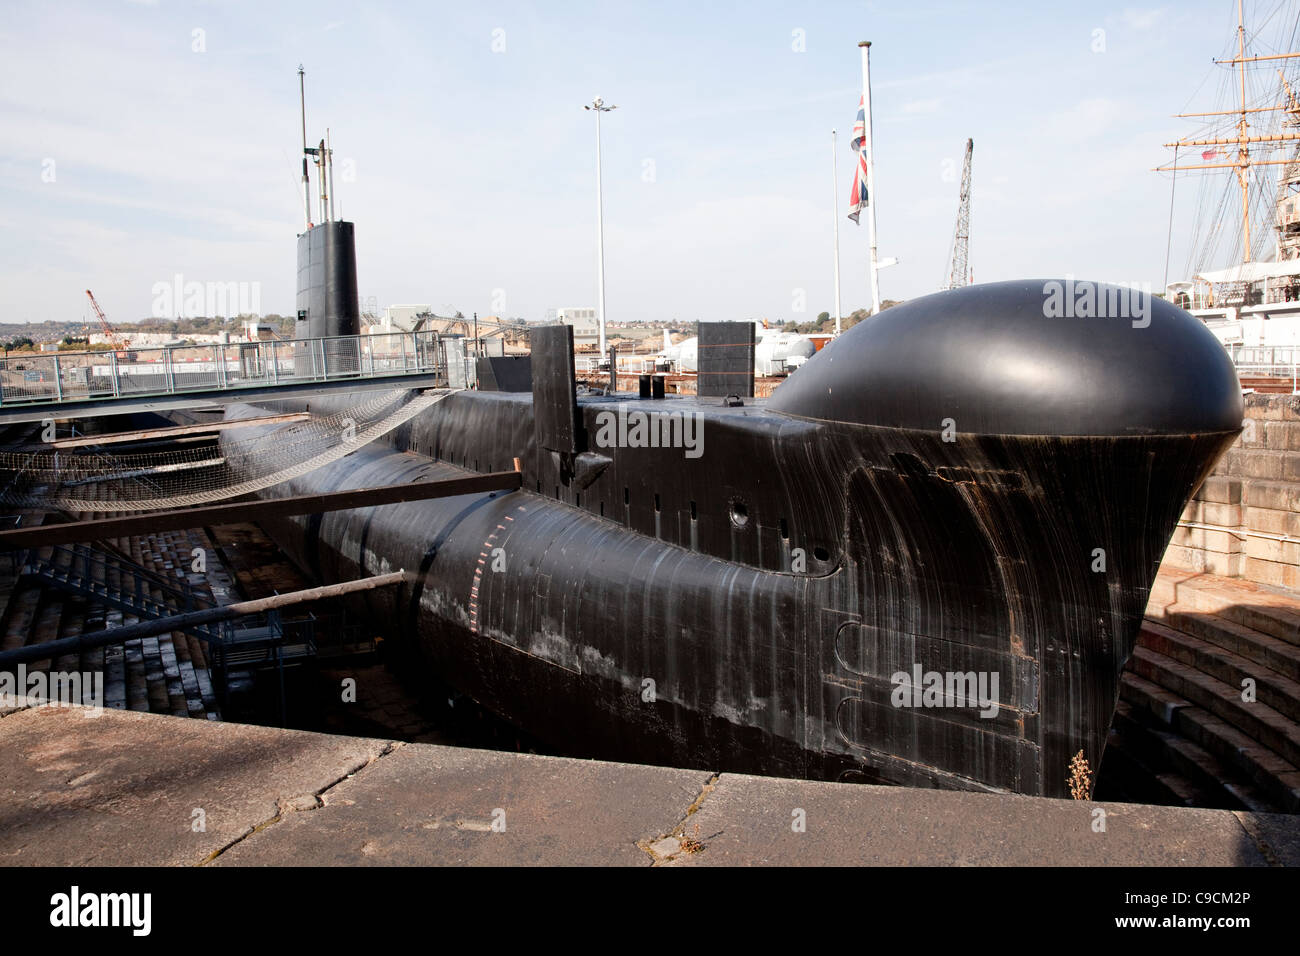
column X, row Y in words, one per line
column 923, row 561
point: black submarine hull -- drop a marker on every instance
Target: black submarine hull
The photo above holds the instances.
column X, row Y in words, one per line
column 755, row 607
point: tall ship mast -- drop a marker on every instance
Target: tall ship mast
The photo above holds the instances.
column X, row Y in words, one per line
column 1242, row 269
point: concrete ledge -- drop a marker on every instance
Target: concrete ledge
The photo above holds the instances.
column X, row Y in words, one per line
column 1211, row 512
column 426, row 805
column 1270, row 521
column 748, row 820
column 1272, row 407
column 1210, row 562
column 1272, row 573
column 123, row 788
column 1201, row 539
column 1274, row 495
column 1220, row 489
column 1283, row 436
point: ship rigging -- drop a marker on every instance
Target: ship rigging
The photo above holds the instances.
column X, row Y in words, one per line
column 1246, row 227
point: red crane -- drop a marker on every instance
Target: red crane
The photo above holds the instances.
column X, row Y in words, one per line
column 113, row 338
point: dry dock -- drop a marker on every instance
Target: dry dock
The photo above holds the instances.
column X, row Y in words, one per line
column 126, row 787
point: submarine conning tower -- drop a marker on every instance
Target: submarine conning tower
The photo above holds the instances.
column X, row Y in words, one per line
column 327, row 268
column 327, row 281
column 327, row 299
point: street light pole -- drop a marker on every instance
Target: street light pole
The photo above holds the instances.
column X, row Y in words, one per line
column 598, row 106
column 835, row 218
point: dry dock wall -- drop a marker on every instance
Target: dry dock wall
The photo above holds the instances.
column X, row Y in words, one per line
column 1244, row 521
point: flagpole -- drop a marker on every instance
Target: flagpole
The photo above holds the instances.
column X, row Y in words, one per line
column 835, row 217
column 598, row 106
column 865, row 47
column 600, row 235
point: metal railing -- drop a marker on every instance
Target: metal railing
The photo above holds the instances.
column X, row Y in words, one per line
column 117, row 582
column 1236, row 295
column 1268, row 357
column 593, row 363
column 1271, row 362
column 45, row 378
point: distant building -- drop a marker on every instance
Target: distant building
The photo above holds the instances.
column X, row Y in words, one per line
column 255, row 330
column 586, row 326
column 139, row 340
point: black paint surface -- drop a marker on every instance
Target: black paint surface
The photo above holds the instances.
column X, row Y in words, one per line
column 746, row 608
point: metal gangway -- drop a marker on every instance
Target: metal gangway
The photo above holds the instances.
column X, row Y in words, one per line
column 39, row 385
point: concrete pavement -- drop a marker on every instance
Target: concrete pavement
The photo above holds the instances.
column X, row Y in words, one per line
column 135, row 788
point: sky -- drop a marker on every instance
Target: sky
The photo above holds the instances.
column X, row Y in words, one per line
column 141, row 141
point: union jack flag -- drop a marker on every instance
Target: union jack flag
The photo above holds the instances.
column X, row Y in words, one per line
column 858, row 200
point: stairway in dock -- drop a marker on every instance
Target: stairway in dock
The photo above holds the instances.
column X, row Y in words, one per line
column 61, row 592
column 1209, row 711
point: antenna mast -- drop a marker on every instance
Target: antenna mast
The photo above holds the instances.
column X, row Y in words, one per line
column 302, row 105
column 329, row 165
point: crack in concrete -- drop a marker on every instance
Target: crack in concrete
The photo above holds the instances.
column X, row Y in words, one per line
column 390, row 746
column 681, row 843
column 20, row 705
column 285, row 806
column 1247, row 823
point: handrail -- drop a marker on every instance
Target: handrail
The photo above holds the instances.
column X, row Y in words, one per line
column 50, row 379
column 134, row 593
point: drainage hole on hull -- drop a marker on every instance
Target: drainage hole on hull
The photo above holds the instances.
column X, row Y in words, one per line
column 821, row 554
column 693, row 515
column 656, row 503
column 739, row 513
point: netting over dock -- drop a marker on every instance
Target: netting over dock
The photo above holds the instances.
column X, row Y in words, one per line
column 246, row 461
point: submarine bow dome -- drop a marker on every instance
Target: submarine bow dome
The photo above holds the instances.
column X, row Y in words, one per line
column 1024, row 357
